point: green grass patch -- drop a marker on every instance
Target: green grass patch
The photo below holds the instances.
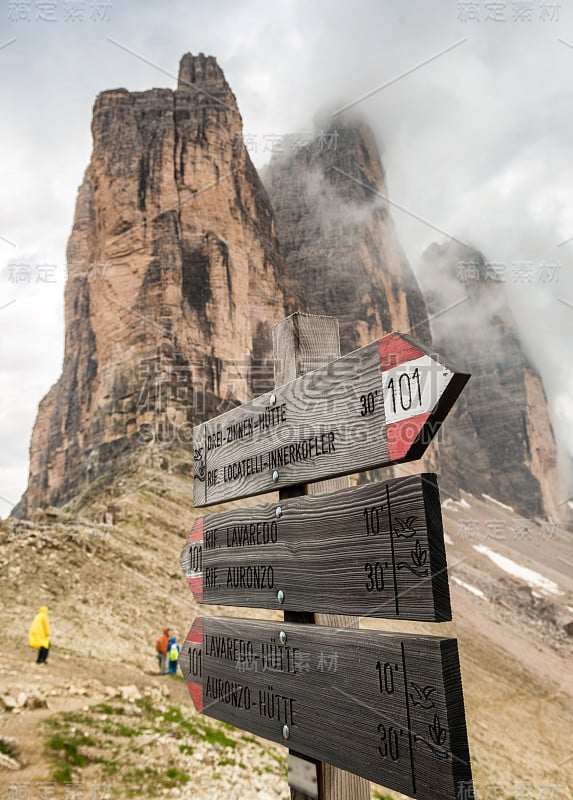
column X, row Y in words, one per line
column 64, row 749
column 76, row 718
column 147, row 707
column 173, row 715
column 63, row 774
column 110, row 767
column 175, row 777
column 105, row 708
column 138, row 781
column 68, row 750
column 215, row 736
column 117, row 729
column 279, row 759
column 104, row 741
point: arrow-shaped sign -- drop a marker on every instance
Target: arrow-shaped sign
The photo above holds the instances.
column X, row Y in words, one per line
column 377, row 406
column 375, row 550
column 388, row 707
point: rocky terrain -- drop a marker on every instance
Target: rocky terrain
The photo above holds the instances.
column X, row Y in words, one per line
column 99, row 717
column 179, row 263
column 498, row 438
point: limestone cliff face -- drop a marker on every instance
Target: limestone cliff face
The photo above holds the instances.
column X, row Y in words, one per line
column 172, row 282
column 340, row 250
column 498, row 438
column 176, row 275
column 341, row 255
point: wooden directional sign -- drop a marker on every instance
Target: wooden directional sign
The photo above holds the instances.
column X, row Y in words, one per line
column 379, row 405
column 375, row 550
column 388, row 707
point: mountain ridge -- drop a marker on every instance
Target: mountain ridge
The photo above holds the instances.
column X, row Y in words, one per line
column 181, row 259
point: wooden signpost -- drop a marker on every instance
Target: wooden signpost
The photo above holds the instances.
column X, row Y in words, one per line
column 386, row 707
column 377, row 406
column 375, row 550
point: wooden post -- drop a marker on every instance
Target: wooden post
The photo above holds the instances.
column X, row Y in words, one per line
column 302, row 343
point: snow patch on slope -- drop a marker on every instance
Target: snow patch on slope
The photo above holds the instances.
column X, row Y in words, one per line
column 533, row 579
column 496, row 502
column 469, row 587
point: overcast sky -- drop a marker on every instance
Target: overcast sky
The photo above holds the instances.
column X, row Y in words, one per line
column 473, row 112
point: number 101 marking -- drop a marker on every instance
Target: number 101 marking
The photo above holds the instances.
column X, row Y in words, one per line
column 403, row 388
column 195, row 559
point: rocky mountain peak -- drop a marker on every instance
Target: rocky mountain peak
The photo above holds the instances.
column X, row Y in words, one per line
column 172, row 285
column 202, row 74
column 344, row 144
column 498, row 440
column 341, row 255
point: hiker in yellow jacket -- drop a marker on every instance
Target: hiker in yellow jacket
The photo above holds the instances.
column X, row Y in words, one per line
column 40, row 635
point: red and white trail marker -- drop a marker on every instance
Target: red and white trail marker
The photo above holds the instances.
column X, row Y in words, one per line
column 414, row 384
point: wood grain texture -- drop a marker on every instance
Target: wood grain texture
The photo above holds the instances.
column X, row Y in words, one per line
column 302, row 343
column 375, row 550
column 329, row 422
column 388, row 707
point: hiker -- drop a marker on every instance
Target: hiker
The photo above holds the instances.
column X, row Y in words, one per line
column 173, row 651
column 40, row 635
column 162, row 646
